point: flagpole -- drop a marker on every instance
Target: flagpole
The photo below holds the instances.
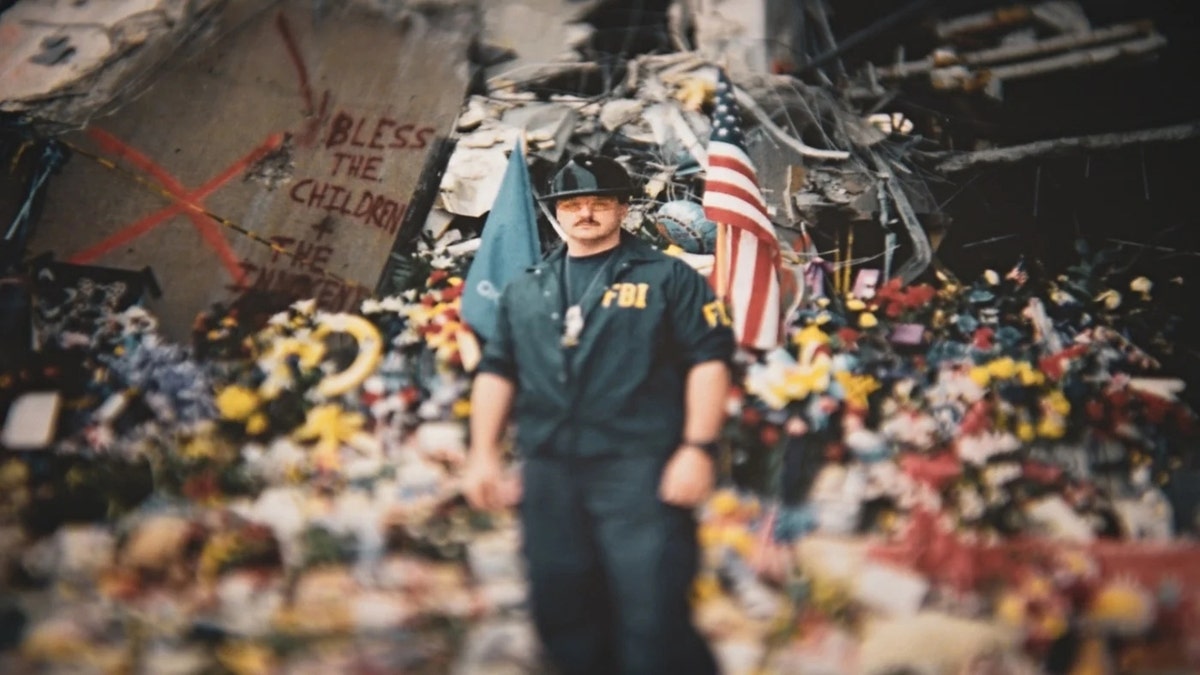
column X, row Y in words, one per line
column 849, row 257
column 722, row 262
column 550, row 216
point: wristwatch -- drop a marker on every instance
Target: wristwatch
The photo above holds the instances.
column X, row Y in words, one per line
column 710, row 448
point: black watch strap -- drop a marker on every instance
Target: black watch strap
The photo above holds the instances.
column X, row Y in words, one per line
column 711, row 448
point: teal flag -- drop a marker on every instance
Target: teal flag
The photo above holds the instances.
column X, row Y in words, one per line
column 509, row 246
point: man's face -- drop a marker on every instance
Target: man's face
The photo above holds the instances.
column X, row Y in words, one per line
column 591, row 220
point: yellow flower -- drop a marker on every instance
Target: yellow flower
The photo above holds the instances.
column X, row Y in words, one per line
column 454, row 281
column 1010, row 609
column 705, row 588
column 723, row 503
column 939, row 319
column 1028, row 375
column 1025, row 431
column 200, row 446
column 1052, row 625
column 237, row 403
column 980, row 376
column 13, row 474
column 246, row 658
column 330, row 427
column 855, row 305
column 1003, row 368
column 1051, row 427
column 257, row 424
column 739, row 539
column 1110, row 298
column 856, row 387
column 805, row 379
column 461, row 408
column 219, row 550
column 310, row 352
column 1057, row 402
column 867, row 320
column 1038, row 587
column 811, row 334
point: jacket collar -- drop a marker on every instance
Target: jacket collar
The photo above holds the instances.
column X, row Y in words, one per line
column 632, row 249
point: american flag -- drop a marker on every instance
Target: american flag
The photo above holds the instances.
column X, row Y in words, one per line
column 745, row 273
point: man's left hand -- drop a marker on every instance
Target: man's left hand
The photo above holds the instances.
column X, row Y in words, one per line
column 688, row 478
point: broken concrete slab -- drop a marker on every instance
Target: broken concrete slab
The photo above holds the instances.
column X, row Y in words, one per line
column 278, row 130
column 731, row 32
column 536, row 32
column 63, row 61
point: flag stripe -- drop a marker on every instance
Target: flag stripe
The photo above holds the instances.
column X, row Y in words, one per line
column 748, row 262
column 732, row 176
column 744, row 198
column 730, row 159
column 739, row 220
column 735, row 184
column 765, row 295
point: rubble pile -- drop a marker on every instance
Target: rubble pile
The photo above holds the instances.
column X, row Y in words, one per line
column 932, row 474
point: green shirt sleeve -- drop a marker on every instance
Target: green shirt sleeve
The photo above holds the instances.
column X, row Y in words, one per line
column 699, row 321
column 498, row 356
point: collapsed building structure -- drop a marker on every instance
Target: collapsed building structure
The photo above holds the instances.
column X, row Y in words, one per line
column 282, row 491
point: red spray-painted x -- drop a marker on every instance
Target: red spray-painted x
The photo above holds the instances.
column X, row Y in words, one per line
column 189, row 203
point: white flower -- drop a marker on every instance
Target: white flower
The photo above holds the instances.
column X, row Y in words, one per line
column 970, row 504
column 306, row 307
column 979, row 448
column 395, row 303
column 996, row 475
column 1110, row 298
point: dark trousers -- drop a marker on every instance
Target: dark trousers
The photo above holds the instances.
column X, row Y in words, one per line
column 610, row 568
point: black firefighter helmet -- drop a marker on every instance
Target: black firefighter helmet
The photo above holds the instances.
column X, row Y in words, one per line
column 590, row 175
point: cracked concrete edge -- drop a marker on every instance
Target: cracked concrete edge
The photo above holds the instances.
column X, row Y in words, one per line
column 125, row 55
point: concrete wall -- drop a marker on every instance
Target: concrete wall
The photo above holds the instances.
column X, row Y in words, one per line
column 308, row 130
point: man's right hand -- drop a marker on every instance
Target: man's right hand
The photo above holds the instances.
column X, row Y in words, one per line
column 486, row 485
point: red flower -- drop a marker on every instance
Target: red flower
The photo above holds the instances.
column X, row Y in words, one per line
column 751, row 416
column 200, row 487
column 1156, row 408
column 921, row 294
column 983, row 338
column 437, row 277
column 451, row 293
column 936, row 470
column 977, row 419
column 769, row 435
column 1041, row 472
column 849, row 337
column 892, row 289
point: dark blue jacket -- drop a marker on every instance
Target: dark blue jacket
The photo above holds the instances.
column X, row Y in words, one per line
column 621, row 389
